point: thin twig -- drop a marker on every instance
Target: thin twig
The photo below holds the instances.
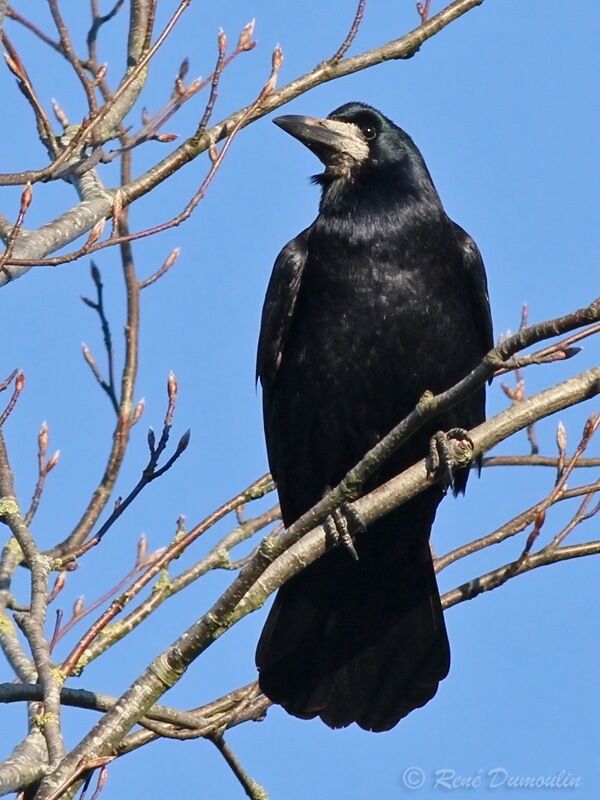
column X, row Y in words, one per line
column 581, row 515
column 88, row 127
column 98, row 21
column 44, row 127
column 556, row 352
column 423, row 10
column 166, row 266
column 401, row 48
column 180, row 543
column 18, row 388
column 150, row 473
column 67, row 48
column 124, row 238
column 351, row 36
column 535, row 461
column 45, row 467
column 216, row 77
column 497, row 577
column 26, row 197
column 252, row 789
column 37, row 31
column 101, row 637
column 589, row 430
column 510, row 528
column 98, row 306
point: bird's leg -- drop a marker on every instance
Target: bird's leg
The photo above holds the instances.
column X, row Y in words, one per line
column 449, row 449
column 342, row 525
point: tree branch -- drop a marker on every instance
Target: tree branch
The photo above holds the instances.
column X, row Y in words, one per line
column 277, row 561
column 103, row 124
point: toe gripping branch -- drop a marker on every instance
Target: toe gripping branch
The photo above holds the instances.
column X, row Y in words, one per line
column 448, row 451
column 342, row 526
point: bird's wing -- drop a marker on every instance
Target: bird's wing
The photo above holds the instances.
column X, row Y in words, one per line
column 477, row 282
column 279, row 306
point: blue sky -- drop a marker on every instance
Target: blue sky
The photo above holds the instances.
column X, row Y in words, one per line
column 503, row 105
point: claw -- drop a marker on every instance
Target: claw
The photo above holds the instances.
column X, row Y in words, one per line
column 337, row 526
column 448, row 450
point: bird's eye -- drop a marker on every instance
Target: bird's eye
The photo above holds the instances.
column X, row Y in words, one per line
column 369, row 133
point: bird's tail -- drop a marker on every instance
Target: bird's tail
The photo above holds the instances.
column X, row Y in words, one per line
column 360, row 641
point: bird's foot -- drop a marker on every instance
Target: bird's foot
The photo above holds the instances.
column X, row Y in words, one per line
column 342, row 526
column 447, row 451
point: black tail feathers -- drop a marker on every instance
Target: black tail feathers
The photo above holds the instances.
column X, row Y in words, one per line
column 361, row 641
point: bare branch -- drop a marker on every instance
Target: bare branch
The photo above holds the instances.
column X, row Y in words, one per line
column 511, row 528
column 19, row 386
column 32, row 623
column 535, row 461
column 75, row 661
column 497, row 577
column 347, row 43
column 44, row 127
column 67, row 48
column 98, row 306
column 104, row 123
column 45, row 467
column 276, row 561
column 252, row 789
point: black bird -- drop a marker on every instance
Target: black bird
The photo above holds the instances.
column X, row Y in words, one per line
column 380, row 299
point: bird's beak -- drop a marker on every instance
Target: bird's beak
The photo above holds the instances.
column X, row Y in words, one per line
column 330, row 140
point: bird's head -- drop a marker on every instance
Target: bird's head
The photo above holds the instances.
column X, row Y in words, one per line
column 353, row 139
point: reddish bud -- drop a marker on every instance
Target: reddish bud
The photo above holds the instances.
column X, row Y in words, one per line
column 589, row 428
column 166, row 137
column 277, row 58
column 59, row 584
column 172, row 257
column 524, row 316
column 78, row 606
column 15, row 67
column 276, row 62
column 246, row 42
column 142, row 549
column 20, row 382
column 87, row 354
column 95, row 233
column 43, row 439
column 59, row 113
column 561, row 438
column 26, row 197
column 193, row 87
column 172, row 387
column 52, row 462
column 222, row 41
column 138, row 411
column 101, row 73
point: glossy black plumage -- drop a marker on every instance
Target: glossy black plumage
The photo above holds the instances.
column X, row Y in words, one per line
column 381, row 298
